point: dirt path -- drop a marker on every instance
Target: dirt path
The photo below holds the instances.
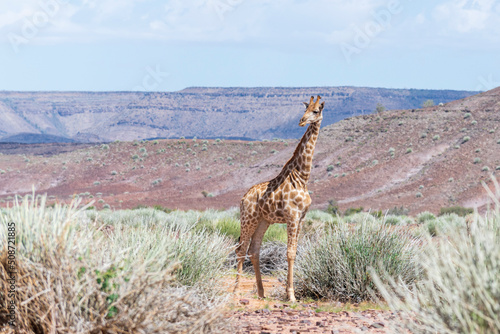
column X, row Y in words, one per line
column 250, row 315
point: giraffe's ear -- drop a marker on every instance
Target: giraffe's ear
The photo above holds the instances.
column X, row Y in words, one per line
column 306, row 104
column 321, row 106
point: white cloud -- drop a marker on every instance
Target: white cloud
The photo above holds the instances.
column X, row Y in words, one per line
column 465, row 16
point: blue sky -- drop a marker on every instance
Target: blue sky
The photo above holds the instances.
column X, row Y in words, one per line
column 123, row 45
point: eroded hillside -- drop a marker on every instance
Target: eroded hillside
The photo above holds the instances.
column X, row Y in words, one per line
column 423, row 159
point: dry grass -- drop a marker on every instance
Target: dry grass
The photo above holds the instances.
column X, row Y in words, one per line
column 460, row 289
column 73, row 278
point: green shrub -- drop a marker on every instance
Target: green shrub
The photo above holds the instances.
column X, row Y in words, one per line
column 465, row 139
column 458, row 210
column 409, row 150
column 329, row 168
column 485, row 169
column 398, row 220
column 319, row 216
column 333, row 207
column 392, row 220
column 360, row 218
column 336, row 265
column 436, row 137
column 423, row 135
column 467, row 115
column 351, row 211
column 425, row 216
column 418, row 195
column 477, row 160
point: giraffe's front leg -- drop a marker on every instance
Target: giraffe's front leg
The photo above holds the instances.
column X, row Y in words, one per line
column 293, row 230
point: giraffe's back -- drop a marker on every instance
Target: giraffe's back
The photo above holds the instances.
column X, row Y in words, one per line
column 275, row 202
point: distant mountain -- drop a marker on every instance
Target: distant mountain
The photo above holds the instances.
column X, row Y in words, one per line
column 32, row 138
column 251, row 113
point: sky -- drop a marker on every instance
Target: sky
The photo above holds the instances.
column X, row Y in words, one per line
column 152, row 45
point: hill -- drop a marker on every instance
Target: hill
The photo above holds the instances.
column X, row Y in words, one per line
column 423, row 159
column 244, row 113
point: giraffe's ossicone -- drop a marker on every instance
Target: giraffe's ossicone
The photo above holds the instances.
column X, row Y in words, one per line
column 283, row 200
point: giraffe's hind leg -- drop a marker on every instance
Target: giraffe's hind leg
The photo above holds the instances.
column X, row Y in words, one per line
column 254, row 252
column 248, row 227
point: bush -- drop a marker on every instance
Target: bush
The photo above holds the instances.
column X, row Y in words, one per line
column 459, row 290
column 94, row 283
column 465, row 139
column 335, row 265
column 409, row 150
column 329, row 168
column 360, row 218
column 398, row 220
column 428, row 103
column 398, row 211
column 351, row 211
column 477, row 160
column 458, row 210
column 333, row 207
column 425, row 216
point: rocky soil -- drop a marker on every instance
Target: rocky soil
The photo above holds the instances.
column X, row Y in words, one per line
column 250, row 315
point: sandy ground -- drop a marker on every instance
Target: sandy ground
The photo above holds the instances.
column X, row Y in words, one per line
column 251, row 315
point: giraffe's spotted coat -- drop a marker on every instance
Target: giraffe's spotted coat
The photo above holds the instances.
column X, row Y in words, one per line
column 283, row 200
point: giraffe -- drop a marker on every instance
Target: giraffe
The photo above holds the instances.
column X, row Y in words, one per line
column 283, row 200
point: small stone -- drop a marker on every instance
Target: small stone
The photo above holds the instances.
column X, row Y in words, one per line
column 307, row 322
column 377, row 325
column 266, row 311
column 321, row 323
column 364, row 328
column 244, row 301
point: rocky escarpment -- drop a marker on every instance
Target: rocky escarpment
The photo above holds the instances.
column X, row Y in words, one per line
column 246, row 113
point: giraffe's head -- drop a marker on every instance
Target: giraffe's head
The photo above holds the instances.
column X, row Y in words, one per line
column 313, row 111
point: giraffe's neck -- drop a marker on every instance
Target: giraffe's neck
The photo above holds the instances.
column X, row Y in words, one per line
column 300, row 164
